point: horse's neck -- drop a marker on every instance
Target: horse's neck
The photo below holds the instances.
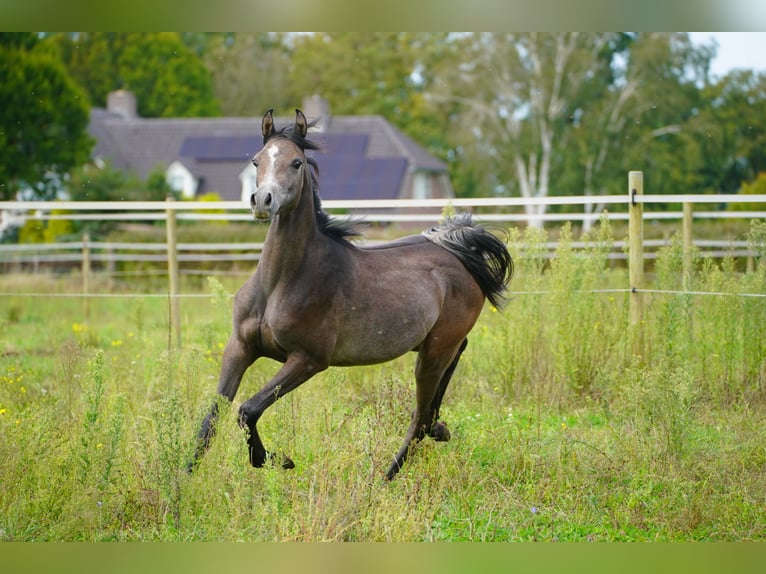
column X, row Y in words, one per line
column 290, row 238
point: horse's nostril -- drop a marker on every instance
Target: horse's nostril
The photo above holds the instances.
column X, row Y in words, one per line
column 267, row 200
column 252, row 200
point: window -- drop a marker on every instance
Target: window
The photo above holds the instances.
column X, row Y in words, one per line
column 247, row 177
column 176, row 182
column 181, row 180
column 421, row 186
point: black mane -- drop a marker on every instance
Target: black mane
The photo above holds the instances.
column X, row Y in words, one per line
column 334, row 228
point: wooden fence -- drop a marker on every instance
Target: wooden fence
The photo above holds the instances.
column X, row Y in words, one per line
column 172, row 252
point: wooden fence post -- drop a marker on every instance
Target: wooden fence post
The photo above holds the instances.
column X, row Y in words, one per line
column 636, row 260
column 686, row 234
column 86, row 272
column 172, row 251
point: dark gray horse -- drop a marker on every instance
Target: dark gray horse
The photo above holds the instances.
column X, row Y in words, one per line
column 317, row 300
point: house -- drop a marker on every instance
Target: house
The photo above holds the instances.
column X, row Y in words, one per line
column 362, row 157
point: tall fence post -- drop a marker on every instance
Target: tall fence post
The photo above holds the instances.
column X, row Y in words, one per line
column 86, row 272
column 636, row 260
column 172, row 250
column 686, row 234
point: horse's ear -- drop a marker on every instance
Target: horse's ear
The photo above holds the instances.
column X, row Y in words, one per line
column 267, row 124
column 301, row 125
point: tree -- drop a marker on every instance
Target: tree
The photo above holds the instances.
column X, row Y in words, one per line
column 563, row 113
column 383, row 73
column 663, row 135
column 517, row 91
column 168, row 78
column 250, row 71
column 106, row 183
column 43, row 118
column 734, row 146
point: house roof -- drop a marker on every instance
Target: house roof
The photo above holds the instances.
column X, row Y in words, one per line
column 362, row 157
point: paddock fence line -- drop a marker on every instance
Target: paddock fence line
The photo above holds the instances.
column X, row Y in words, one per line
column 84, row 253
column 18, row 212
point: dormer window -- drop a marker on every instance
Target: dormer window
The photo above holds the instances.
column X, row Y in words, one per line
column 422, row 185
column 181, row 180
column 247, row 178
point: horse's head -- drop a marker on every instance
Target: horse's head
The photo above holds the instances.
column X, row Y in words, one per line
column 282, row 167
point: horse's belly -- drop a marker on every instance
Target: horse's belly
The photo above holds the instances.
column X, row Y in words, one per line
column 380, row 339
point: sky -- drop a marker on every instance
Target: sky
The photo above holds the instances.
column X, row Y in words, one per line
column 735, row 50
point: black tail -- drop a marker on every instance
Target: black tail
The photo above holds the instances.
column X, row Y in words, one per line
column 484, row 256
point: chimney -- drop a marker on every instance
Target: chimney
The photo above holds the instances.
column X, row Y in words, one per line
column 317, row 108
column 122, row 102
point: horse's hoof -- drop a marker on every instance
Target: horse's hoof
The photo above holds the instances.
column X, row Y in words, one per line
column 392, row 471
column 280, row 459
column 257, row 457
column 440, row 432
column 287, row 462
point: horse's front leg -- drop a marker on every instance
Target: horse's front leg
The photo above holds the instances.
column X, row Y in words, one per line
column 237, row 357
column 298, row 368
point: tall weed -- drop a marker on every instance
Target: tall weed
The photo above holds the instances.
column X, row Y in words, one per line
column 558, row 433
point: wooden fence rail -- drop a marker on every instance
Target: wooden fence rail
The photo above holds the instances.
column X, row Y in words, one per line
column 630, row 207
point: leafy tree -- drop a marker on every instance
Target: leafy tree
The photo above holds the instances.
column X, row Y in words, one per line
column 157, row 186
column 250, row 71
column 564, row 113
column 734, row 146
column 43, row 118
column 755, row 187
column 167, row 77
column 356, row 73
column 93, row 183
column 664, row 134
column 516, row 93
column 384, row 73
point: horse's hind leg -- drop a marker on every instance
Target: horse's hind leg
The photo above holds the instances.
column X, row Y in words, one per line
column 431, row 369
column 439, row 430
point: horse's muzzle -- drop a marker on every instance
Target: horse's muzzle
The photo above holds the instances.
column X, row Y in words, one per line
column 262, row 204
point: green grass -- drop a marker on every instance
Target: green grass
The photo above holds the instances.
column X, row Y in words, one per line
column 559, row 432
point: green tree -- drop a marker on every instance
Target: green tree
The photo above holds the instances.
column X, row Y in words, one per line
column 517, row 94
column 755, row 187
column 106, row 183
column 384, row 73
column 664, row 134
column 250, row 71
column 356, row 73
column 43, row 118
column 92, row 183
column 167, row 77
column 565, row 113
column 734, row 142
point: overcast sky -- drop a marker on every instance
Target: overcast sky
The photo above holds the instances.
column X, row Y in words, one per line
column 735, row 50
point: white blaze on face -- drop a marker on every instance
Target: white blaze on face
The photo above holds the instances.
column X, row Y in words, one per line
column 269, row 177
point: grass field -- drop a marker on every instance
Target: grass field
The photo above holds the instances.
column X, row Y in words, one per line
column 559, row 432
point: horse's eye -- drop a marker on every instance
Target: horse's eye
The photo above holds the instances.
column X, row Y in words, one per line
column 255, row 162
column 297, row 163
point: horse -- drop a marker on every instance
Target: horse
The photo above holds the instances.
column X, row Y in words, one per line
column 317, row 299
